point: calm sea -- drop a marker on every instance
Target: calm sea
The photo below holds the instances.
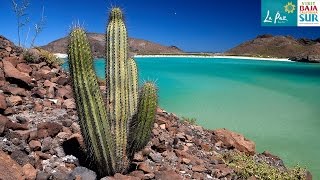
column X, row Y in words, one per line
column 275, row 104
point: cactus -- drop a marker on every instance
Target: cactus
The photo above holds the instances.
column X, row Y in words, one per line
column 145, row 115
column 115, row 129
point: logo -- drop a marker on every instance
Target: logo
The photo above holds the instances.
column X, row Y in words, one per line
column 308, row 13
column 289, row 8
column 278, row 12
column 290, row 12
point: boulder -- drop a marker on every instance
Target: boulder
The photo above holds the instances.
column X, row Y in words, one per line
column 234, row 140
column 14, row 76
column 23, row 67
column 9, row 169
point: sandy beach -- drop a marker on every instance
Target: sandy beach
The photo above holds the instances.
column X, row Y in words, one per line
column 60, row 55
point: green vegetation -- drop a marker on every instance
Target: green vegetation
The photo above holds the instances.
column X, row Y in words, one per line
column 38, row 55
column 114, row 130
column 246, row 166
column 189, row 120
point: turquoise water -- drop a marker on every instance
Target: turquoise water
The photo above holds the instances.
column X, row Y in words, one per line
column 275, row 104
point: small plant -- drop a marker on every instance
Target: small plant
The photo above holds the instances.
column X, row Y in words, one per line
column 48, row 57
column 246, row 166
column 113, row 130
column 189, row 120
column 38, row 55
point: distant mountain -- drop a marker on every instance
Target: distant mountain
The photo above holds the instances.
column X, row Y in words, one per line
column 97, row 41
column 279, row 46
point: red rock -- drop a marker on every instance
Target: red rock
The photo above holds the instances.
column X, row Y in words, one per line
column 39, row 92
column 9, row 49
column 2, row 83
column 23, row 67
column 48, row 129
column 138, row 174
column 9, row 169
column 37, row 107
column 48, row 83
column 69, row 104
column 168, row 175
column 9, row 111
column 197, row 175
column 3, row 103
column 234, row 140
column 13, row 60
column 16, row 126
column 15, row 75
column 47, row 103
column 62, row 80
column 221, row 170
column 14, row 100
column 138, row 157
column 63, row 92
column 51, row 92
column 3, row 122
column 2, row 78
column 23, row 134
column 35, row 145
column 29, row 171
column 119, row 176
column 186, row 161
column 199, row 168
column 145, row 167
column 15, row 91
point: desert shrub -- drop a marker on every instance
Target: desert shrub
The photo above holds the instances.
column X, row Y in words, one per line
column 38, row 55
column 189, row 120
column 49, row 58
column 30, row 56
column 246, row 166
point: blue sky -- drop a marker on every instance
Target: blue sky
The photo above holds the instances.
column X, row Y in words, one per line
column 192, row 25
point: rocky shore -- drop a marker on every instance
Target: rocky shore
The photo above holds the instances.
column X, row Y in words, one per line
column 40, row 136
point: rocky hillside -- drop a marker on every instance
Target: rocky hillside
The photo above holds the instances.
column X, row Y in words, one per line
column 97, row 41
column 40, row 136
column 279, row 46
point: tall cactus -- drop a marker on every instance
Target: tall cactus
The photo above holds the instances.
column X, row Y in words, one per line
column 115, row 129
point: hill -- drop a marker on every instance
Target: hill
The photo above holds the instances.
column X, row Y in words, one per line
column 97, row 41
column 280, row 47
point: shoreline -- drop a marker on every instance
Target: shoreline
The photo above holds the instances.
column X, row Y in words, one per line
column 60, row 55
column 217, row 57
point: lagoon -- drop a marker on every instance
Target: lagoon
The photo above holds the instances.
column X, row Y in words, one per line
column 275, row 104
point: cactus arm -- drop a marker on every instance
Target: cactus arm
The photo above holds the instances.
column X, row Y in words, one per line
column 133, row 86
column 89, row 102
column 143, row 123
column 117, row 83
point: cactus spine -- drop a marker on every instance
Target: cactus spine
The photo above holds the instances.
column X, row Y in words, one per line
column 114, row 130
